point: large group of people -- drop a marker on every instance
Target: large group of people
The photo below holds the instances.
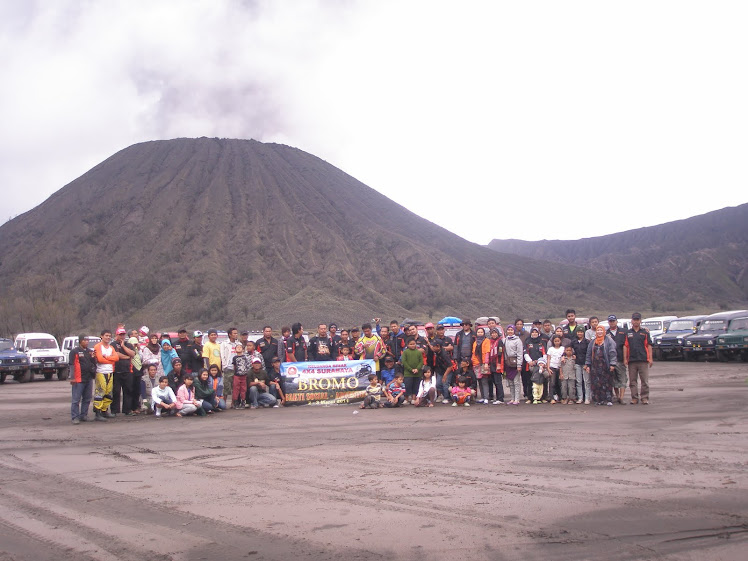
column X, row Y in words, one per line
column 143, row 372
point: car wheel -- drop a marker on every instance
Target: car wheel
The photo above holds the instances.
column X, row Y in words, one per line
column 658, row 354
column 63, row 373
column 27, row 376
column 721, row 356
column 687, row 355
column 48, row 375
column 2, row 378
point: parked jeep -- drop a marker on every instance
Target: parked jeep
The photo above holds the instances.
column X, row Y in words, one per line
column 658, row 325
column 670, row 343
column 44, row 355
column 13, row 363
column 734, row 343
column 703, row 342
column 69, row 343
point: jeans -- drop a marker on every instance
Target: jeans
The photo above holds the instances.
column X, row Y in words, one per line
column 499, row 383
column 411, row 386
column 82, row 392
column 442, row 387
column 584, row 390
column 260, row 398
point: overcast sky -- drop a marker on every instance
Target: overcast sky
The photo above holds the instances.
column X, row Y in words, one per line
column 526, row 119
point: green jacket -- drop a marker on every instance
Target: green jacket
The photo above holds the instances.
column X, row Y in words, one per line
column 410, row 359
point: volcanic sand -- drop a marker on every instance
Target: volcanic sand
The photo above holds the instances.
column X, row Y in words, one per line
column 665, row 481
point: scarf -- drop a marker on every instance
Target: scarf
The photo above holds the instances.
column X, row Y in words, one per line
column 479, row 347
column 599, row 337
column 153, row 347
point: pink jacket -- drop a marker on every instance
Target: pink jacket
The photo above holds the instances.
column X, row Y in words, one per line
column 185, row 395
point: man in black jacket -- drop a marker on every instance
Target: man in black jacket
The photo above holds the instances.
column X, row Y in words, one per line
column 82, row 363
column 320, row 346
column 267, row 345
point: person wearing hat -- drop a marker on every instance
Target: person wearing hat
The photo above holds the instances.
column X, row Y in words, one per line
column 259, row 387
column 637, row 354
column 177, row 374
column 441, row 365
column 463, row 345
column 277, row 383
column 620, row 377
column 387, row 374
column 122, row 385
column 196, row 352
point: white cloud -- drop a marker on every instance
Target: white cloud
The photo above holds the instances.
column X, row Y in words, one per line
column 493, row 119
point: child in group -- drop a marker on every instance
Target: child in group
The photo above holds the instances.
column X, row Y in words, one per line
column 395, row 392
column 187, row 404
column 568, row 377
column 466, row 373
column 461, row 393
column 538, row 375
column 345, row 353
column 426, row 395
column 412, row 361
column 163, row 397
column 555, row 353
column 373, row 393
column 242, row 365
column 388, row 372
column 216, row 380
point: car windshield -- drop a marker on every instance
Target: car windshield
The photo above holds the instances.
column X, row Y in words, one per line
column 713, row 325
column 652, row 325
column 6, row 346
column 681, row 325
column 740, row 323
column 35, row 344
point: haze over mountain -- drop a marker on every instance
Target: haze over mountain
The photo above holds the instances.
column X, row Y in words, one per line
column 699, row 260
column 202, row 232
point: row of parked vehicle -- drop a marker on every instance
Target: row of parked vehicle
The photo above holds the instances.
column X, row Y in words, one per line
column 723, row 336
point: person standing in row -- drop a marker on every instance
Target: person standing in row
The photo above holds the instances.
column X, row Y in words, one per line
column 122, row 383
column 637, row 355
column 106, row 358
column 620, row 380
column 82, row 362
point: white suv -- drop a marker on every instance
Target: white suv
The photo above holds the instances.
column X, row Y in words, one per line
column 69, row 343
column 44, row 355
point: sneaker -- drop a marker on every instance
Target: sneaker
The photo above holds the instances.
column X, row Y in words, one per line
column 587, row 402
column 76, row 421
column 498, row 402
column 109, row 415
column 158, row 411
column 536, row 402
column 99, row 416
column 609, row 404
column 454, row 404
column 578, row 401
column 276, row 406
column 645, row 401
column 467, row 404
column 445, row 401
column 84, row 419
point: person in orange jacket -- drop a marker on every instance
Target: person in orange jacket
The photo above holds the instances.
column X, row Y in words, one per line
column 481, row 353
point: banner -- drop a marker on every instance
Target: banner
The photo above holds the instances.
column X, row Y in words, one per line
column 326, row 383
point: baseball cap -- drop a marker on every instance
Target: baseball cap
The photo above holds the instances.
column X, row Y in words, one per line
column 120, row 331
column 144, row 330
column 176, row 359
column 611, row 317
column 429, row 325
column 466, row 322
column 636, row 315
column 256, row 360
column 389, row 359
column 275, row 359
column 197, row 333
column 437, row 341
column 244, row 333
